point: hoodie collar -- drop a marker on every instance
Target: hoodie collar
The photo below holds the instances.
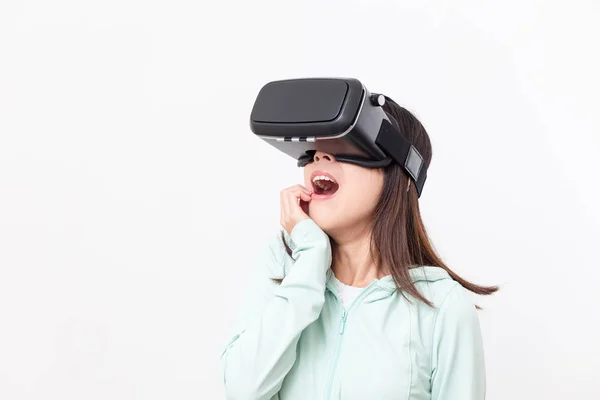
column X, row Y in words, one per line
column 416, row 273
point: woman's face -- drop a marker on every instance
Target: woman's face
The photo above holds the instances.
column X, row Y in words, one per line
column 344, row 195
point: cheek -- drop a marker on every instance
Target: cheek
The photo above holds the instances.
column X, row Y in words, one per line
column 364, row 194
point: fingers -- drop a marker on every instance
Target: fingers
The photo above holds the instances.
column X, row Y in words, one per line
column 298, row 193
column 297, row 189
column 292, row 209
column 305, row 196
column 291, row 195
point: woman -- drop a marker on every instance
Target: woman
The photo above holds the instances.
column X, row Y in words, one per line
column 351, row 301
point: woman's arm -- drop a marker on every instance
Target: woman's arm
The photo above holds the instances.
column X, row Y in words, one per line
column 262, row 352
column 458, row 368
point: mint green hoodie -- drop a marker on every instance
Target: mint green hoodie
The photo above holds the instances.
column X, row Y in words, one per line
column 296, row 341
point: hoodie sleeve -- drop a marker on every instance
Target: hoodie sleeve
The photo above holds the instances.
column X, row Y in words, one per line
column 263, row 349
column 458, row 369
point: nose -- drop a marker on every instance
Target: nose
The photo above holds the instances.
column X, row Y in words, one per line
column 321, row 155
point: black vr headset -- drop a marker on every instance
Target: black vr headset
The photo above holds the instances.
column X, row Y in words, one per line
column 337, row 116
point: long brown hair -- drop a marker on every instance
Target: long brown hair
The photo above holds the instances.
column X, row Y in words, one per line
column 399, row 239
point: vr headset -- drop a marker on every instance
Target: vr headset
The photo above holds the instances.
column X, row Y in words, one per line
column 337, row 116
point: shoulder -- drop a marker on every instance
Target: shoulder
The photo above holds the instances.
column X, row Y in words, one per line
column 453, row 320
column 456, row 308
column 452, row 303
column 433, row 282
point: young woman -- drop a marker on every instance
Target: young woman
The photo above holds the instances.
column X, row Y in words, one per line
column 351, row 301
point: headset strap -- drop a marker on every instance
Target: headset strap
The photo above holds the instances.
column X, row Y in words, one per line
column 405, row 154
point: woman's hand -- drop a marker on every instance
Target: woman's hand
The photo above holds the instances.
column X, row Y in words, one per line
column 294, row 206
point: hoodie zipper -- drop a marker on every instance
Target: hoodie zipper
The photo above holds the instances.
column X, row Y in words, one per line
column 339, row 340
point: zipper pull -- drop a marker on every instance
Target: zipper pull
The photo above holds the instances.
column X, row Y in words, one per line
column 343, row 325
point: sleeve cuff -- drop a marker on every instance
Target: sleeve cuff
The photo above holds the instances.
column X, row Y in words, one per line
column 306, row 231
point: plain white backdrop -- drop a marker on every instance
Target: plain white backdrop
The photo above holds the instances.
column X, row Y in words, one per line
column 134, row 197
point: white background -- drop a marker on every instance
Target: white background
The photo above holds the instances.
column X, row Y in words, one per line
column 134, row 197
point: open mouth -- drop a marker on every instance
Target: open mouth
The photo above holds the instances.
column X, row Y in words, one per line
column 324, row 185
